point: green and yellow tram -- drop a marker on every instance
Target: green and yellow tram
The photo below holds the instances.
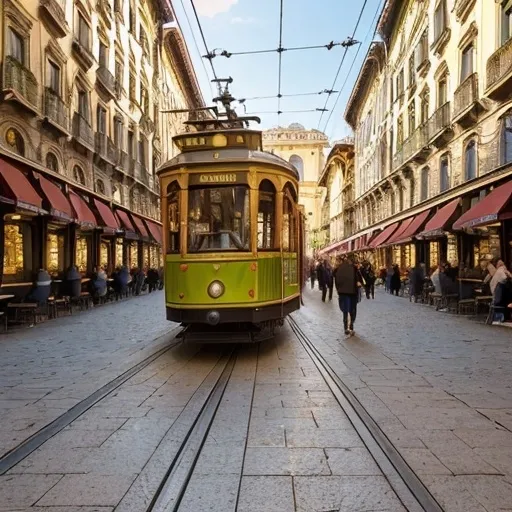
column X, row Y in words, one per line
column 233, row 231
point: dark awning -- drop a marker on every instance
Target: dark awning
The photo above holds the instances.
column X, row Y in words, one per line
column 412, row 229
column 140, row 226
column 155, row 230
column 83, row 213
column 127, row 225
column 383, row 236
column 107, row 217
column 16, row 189
column 439, row 223
column 489, row 210
column 404, row 225
column 59, row 203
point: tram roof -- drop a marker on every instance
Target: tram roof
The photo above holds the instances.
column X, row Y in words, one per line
column 227, row 155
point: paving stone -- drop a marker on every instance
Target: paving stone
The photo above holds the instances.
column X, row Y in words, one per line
column 21, row 491
column 220, row 460
column 424, row 462
column 351, row 462
column 300, row 437
column 265, row 494
column 345, row 494
column 285, row 461
column 87, row 490
column 211, row 493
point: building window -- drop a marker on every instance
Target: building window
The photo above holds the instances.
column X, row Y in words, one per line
column 424, row 183
column 131, row 141
column 400, row 84
column 266, row 215
column 103, row 55
column 84, row 32
column 421, row 51
column 144, row 42
column 412, row 71
column 466, row 62
column 16, row 46
column 100, row 187
column 425, row 106
column 298, row 163
column 412, row 117
column 142, row 151
column 81, row 254
column 506, row 21
column 470, row 161
column 399, row 132
column 439, row 19
column 54, row 81
column 13, row 250
column 101, row 117
column 506, row 139
column 55, row 253
column 444, row 174
column 442, row 91
column 51, row 162
column 118, row 133
column 79, row 175
column 83, row 104
column 15, row 141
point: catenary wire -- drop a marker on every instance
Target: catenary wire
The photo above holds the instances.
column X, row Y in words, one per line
column 343, row 59
column 202, row 36
column 373, row 24
column 280, row 50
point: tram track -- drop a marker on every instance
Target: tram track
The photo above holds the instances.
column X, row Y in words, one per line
column 36, row 440
column 408, row 487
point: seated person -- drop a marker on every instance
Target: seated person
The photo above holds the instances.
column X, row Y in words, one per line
column 99, row 283
column 73, row 282
column 41, row 288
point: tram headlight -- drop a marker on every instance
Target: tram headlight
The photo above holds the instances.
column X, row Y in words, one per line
column 216, row 289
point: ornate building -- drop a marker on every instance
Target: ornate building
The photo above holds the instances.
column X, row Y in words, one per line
column 305, row 150
column 431, row 113
column 83, row 84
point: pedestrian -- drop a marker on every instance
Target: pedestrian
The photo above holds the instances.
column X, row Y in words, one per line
column 395, row 283
column 312, row 274
column 369, row 277
column 320, row 275
column 347, row 280
column 328, row 280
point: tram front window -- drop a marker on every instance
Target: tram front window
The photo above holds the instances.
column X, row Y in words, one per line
column 219, row 219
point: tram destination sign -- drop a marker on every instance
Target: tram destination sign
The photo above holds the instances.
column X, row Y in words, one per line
column 224, row 178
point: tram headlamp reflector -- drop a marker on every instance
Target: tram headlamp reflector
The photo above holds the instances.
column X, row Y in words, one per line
column 216, row 289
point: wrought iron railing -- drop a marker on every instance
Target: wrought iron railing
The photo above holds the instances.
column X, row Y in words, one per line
column 466, row 94
column 55, row 109
column 439, row 120
column 499, row 64
column 21, row 80
column 82, row 130
column 398, row 158
column 416, row 142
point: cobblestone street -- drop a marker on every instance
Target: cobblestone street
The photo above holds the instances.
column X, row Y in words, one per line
column 438, row 385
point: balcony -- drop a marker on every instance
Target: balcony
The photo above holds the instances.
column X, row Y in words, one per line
column 21, row 83
column 105, row 148
column 466, row 102
column 132, row 166
column 398, row 159
column 112, row 152
column 56, row 111
column 123, row 162
column 499, row 72
column 83, row 53
column 439, row 126
column 106, row 80
column 416, row 146
column 145, row 177
column 53, row 13
column 82, row 132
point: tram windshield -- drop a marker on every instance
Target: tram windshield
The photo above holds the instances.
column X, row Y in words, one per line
column 218, row 219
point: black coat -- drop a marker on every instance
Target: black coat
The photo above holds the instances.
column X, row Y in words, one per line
column 346, row 277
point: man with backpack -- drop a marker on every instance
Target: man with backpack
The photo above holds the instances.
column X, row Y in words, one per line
column 347, row 280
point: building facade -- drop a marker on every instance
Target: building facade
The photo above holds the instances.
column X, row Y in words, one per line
column 305, row 150
column 81, row 132
column 431, row 114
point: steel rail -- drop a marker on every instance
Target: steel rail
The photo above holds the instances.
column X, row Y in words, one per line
column 403, row 480
column 32, row 443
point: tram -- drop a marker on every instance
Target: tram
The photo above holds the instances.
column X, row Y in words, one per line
column 233, row 231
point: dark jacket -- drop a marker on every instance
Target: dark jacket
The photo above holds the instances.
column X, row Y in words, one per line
column 346, row 277
column 320, row 275
column 73, row 282
column 395, row 279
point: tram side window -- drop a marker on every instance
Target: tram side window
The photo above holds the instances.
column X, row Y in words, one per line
column 219, row 219
column 289, row 222
column 266, row 215
column 173, row 218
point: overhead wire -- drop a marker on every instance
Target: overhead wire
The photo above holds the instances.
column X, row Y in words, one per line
column 203, row 37
column 280, row 50
column 373, row 24
column 343, row 59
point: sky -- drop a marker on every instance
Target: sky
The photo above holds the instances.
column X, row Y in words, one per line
column 246, row 25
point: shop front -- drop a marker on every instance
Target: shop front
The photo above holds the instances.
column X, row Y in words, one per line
column 383, row 256
column 155, row 254
column 127, row 252
column 108, row 236
column 143, row 245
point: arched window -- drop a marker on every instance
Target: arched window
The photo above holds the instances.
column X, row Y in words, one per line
column 51, row 162
column 100, row 187
column 298, row 163
column 444, row 174
column 506, row 139
column 470, row 163
column 79, row 175
column 266, row 215
column 424, row 183
column 173, row 218
column 15, row 141
column 289, row 220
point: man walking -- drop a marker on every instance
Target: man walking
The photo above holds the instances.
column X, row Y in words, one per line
column 347, row 280
column 328, row 280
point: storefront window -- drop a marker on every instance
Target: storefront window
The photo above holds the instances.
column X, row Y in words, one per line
column 219, row 219
column 81, row 254
column 452, row 249
column 145, row 256
column 434, row 254
column 119, row 252
column 397, row 255
column 266, row 214
column 105, row 254
column 13, row 255
column 487, row 247
column 134, row 255
column 55, row 253
column 154, row 256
